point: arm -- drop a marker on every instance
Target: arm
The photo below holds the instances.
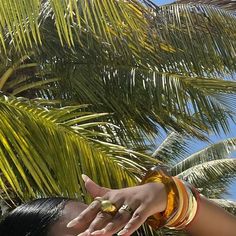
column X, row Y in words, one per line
column 146, row 200
column 211, row 219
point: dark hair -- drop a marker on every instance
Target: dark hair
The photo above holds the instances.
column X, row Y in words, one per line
column 33, row 218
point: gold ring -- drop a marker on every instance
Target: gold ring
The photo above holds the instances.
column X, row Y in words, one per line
column 107, row 206
column 127, row 208
column 98, row 199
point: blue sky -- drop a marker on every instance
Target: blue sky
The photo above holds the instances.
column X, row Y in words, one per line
column 160, row 2
column 200, row 145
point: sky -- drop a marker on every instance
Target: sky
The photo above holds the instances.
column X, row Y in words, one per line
column 162, row 2
column 200, row 145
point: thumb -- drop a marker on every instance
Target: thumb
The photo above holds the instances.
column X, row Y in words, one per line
column 94, row 189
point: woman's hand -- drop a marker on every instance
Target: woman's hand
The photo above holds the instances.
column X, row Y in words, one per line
column 144, row 200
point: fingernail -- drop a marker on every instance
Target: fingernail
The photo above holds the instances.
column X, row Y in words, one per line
column 122, row 232
column 72, row 223
column 85, row 177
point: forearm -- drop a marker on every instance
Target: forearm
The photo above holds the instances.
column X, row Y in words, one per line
column 212, row 220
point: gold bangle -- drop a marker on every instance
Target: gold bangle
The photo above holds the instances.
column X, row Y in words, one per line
column 185, row 221
column 195, row 198
column 190, row 206
column 191, row 210
column 189, row 218
column 183, row 201
column 159, row 220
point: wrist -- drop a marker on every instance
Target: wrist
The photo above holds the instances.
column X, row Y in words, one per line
column 159, row 196
column 178, row 201
column 168, row 204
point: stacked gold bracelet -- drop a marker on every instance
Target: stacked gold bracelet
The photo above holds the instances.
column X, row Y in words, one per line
column 187, row 211
column 182, row 201
column 159, row 175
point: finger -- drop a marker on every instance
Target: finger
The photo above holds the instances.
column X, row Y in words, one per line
column 100, row 221
column 138, row 218
column 86, row 216
column 94, row 189
column 85, row 233
column 103, row 218
column 117, row 223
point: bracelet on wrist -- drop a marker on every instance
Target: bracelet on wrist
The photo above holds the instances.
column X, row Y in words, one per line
column 182, row 201
column 160, row 219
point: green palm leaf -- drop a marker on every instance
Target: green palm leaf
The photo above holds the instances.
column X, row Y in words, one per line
column 108, row 22
column 213, row 152
column 212, row 170
column 167, row 77
column 225, row 4
column 205, row 31
column 173, row 148
column 175, row 30
column 124, row 31
column 174, row 101
column 41, row 156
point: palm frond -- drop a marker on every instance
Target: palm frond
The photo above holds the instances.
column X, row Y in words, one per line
column 204, row 173
column 205, row 31
column 217, row 151
column 229, row 5
column 217, row 188
column 25, row 77
column 126, row 32
column 172, row 32
column 179, row 102
column 110, row 23
column 173, row 148
column 41, row 156
column 43, row 153
column 176, row 148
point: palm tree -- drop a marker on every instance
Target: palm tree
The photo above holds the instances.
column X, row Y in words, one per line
column 83, row 82
column 132, row 53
